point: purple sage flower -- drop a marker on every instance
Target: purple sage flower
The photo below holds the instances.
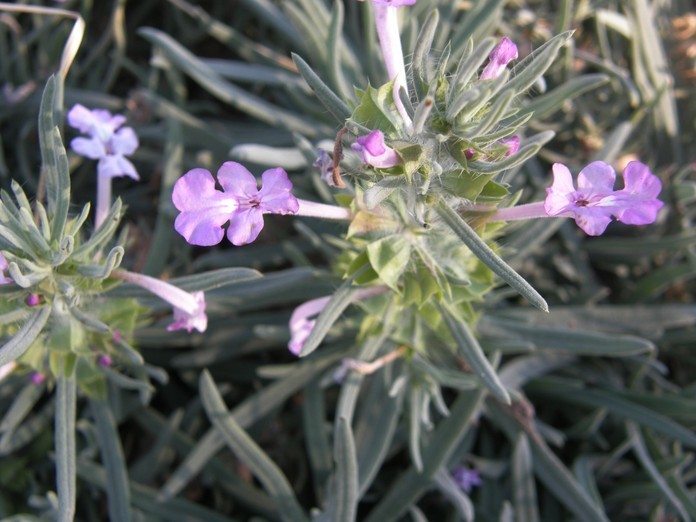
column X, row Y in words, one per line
column 109, row 143
column 374, row 151
column 301, row 325
column 204, row 209
column 324, row 163
column 466, row 478
column 104, row 360
column 4, row 280
column 595, row 201
column 512, row 143
column 500, row 56
column 33, row 300
column 37, row 378
column 189, row 307
column 387, row 24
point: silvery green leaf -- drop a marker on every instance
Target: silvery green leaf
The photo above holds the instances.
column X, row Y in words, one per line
column 104, row 233
column 66, row 398
column 22, row 405
column 525, row 496
column 468, row 65
column 246, row 450
column 489, row 258
column 117, row 487
column 469, row 348
column 335, row 44
column 414, row 426
column 493, row 116
column 112, row 261
column 289, row 158
column 346, row 477
column 54, row 160
column 459, row 498
column 548, row 103
column 224, row 90
column 331, row 101
column 532, row 67
column 421, row 75
column 380, row 191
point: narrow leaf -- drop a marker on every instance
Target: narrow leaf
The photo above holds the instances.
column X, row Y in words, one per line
column 117, row 487
column 346, row 478
column 489, row 258
column 327, row 97
column 260, row 464
column 66, row 398
column 472, row 352
column 26, row 335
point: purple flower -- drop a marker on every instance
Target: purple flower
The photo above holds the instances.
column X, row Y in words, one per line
column 500, row 56
column 204, row 209
column 387, row 25
column 300, row 323
column 466, row 478
column 512, row 143
column 595, row 201
column 324, row 163
column 33, row 300
column 107, row 142
column 37, row 378
column 189, row 307
column 104, row 361
column 4, row 280
column 186, row 319
column 374, row 151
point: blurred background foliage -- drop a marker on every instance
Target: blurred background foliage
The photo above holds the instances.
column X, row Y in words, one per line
column 588, row 433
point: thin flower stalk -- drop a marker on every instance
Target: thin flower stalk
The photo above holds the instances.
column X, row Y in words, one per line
column 387, row 24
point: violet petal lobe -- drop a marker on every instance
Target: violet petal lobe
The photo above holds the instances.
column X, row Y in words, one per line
column 124, row 141
column 394, row 3
column 560, row 195
column 237, row 181
column 81, row 118
column 275, row 196
column 500, row 56
column 593, row 220
column 596, row 179
column 245, row 226
column 112, row 166
column 638, row 199
column 188, row 321
column 92, row 148
column 203, row 208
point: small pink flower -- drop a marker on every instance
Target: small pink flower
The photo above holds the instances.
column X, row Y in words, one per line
column 466, row 478
column 33, row 300
column 204, row 209
column 37, row 378
column 301, row 325
column 107, row 142
column 500, row 56
column 104, row 361
column 595, row 201
column 375, row 152
column 188, row 320
column 512, row 143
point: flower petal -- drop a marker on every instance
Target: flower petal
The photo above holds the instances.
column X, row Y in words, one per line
column 245, row 226
column 639, row 180
column 593, row 220
column 596, row 179
column 375, row 152
column 237, row 181
column 275, row 196
column 92, row 148
column 500, row 56
column 81, row 118
column 115, row 165
column 124, row 141
column 203, row 208
column 560, row 197
column 184, row 320
column 640, row 212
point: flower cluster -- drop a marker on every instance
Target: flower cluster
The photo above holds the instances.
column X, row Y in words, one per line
column 108, row 142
